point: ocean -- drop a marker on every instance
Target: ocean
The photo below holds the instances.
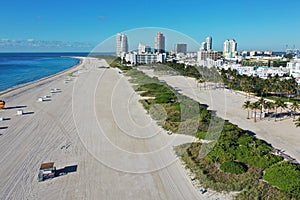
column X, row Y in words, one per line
column 20, row 68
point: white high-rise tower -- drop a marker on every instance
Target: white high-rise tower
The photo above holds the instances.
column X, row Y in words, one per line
column 230, row 48
column 203, row 46
column 121, row 44
column 209, row 43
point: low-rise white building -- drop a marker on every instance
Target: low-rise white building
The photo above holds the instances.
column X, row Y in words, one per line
column 145, row 58
column 231, row 66
column 210, row 63
column 262, row 72
column 294, row 68
column 191, row 54
column 245, row 70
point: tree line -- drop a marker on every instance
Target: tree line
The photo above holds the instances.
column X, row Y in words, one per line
column 262, row 105
column 273, row 85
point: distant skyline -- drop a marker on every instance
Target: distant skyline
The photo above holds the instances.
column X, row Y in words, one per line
column 71, row 26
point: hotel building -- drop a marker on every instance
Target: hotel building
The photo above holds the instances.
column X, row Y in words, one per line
column 121, row 44
column 230, row 48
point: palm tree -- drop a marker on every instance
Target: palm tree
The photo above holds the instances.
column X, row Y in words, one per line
column 247, row 105
column 269, row 105
column 278, row 104
column 290, row 86
column 261, row 103
column 295, row 106
column 266, row 88
column 254, row 106
column 200, row 81
column 297, row 122
column 245, row 84
column 283, row 106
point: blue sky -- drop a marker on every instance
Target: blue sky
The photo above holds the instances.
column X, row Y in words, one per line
column 81, row 25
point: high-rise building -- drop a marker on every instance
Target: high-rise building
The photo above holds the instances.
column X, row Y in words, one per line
column 203, row 46
column 121, row 44
column 159, row 42
column 230, row 48
column 209, row 43
column 181, row 48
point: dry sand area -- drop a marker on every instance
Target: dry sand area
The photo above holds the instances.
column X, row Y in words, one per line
column 94, row 126
column 282, row 134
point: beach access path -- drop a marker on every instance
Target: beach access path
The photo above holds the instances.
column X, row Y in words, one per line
column 282, row 135
column 93, row 127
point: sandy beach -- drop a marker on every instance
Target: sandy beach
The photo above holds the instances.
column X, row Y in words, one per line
column 94, row 125
column 282, row 134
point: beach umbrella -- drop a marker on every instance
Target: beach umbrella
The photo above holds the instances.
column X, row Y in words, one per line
column 2, row 104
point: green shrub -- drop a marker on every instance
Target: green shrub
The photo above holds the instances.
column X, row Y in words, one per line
column 260, row 161
column 201, row 134
column 233, row 167
column 165, row 98
column 125, row 68
column 286, row 176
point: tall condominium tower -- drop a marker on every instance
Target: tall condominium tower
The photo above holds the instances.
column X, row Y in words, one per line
column 209, row 43
column 203, row 46
column 159, row 42
column 230, row 48
column 121, row 43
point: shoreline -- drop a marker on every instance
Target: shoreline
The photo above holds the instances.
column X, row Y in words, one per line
column 32, row 83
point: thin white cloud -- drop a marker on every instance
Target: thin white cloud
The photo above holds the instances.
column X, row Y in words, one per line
column 42, row 44
column 101, row 17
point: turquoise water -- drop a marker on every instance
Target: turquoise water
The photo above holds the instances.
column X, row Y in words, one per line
column 20, row 68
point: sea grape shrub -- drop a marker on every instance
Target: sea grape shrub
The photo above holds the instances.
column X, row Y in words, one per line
column 285, row 176
column 193, row 150
column 260, row 161
column 233, row 167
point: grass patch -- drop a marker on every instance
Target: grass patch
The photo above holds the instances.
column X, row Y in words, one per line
column 284, row 99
